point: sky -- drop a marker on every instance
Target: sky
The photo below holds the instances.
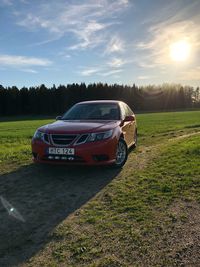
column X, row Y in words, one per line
column 110, row 41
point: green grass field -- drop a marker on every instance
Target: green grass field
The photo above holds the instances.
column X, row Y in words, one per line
column 15, row 139
column 144, row 215
column 15, row 135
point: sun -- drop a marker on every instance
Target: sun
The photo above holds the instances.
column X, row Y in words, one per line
column 180, row 51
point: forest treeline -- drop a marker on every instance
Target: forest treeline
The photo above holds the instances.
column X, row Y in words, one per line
column 56, row 100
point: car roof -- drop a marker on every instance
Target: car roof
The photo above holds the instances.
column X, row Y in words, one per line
column 101, row 101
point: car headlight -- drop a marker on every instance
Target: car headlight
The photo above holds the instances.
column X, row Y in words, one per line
column 38, row 135
column 99, row 136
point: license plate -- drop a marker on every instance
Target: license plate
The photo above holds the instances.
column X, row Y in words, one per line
column 61, row 151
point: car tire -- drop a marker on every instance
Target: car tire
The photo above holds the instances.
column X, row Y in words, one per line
column 121, row 153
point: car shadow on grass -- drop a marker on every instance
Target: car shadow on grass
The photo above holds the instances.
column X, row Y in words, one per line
column 44, row 196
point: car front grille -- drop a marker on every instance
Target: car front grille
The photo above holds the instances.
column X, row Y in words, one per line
column 63, row 139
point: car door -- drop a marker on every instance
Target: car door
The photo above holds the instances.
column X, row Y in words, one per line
column 126, row 124
column 131, row 125
column 128, row 127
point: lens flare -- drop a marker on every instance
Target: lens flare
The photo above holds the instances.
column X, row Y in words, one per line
column 12, row 211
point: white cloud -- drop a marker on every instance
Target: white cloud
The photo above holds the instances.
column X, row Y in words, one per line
column 89, row 71
column 88, row 35
column 33, row 21
column 111, row 72
column 145, row 65
column 6, row 2
column 125, row 2
column 103, row 71
column 116, row 62
column 67, row 56
column 20, row 61
column 115, row 45
column 88, row 21
column 29, row 70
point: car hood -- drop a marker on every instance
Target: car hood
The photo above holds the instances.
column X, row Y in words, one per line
column 78, row 126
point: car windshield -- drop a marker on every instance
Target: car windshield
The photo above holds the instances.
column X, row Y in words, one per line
column 93, row 111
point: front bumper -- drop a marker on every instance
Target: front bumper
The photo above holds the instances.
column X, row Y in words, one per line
column 94, row 153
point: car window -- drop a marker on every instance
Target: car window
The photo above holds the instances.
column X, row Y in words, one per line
column 123, row 111
column 93, row 111
column 129, row 112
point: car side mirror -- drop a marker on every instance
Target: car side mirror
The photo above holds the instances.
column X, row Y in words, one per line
column 129, row 118
column 58, row 118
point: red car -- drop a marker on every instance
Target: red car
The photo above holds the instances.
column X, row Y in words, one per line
column 89, row 133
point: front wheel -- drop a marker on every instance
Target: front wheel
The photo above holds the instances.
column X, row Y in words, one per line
column 121, row 153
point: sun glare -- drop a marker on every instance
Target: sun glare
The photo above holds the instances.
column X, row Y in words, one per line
column 180, row 51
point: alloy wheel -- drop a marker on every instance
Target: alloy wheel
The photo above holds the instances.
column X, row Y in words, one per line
column 121, row 153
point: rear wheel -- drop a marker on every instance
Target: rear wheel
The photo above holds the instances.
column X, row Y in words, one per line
column 121, row 153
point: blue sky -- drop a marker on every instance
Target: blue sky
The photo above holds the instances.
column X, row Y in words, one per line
column 113, row 41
